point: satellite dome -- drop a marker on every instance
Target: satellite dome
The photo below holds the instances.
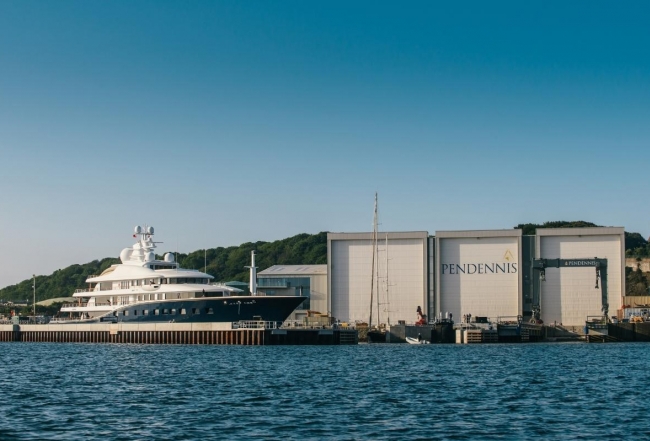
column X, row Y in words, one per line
column 150, row 230
column 126, row 254
column 150, row 257
column 169, row 257
column 138, row 229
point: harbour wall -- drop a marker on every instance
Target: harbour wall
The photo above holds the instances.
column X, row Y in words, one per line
column 174, row 333
column 629, row 331
column 224, row 334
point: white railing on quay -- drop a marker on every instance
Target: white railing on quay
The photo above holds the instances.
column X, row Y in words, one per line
column 254, row 324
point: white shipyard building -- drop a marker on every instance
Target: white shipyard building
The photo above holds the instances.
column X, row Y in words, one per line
column 478, row 273
column 574, row 290
column 400, row 276
column 563, row 275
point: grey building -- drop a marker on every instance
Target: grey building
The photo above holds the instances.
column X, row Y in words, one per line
column 295, row 280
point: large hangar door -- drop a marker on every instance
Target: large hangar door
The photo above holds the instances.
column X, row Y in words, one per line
column 401, row 273
column 479, row 276
column 570, row 295
column 351, row 275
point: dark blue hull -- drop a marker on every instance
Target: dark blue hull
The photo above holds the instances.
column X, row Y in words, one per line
column 208, row 310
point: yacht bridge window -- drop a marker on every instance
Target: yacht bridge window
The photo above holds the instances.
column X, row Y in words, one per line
column 214, row 294
column 162, row 267
column 194, row 280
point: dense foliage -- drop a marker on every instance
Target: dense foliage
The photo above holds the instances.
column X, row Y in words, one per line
column 61, row 283
column 529, row 229
column 636, row 282
column 225, row 264
column 228, row 264
column 636, row 245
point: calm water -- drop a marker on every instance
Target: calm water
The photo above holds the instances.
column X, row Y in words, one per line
column 133, row 392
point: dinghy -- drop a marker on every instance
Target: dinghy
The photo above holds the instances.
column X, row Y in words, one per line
column 415, row 341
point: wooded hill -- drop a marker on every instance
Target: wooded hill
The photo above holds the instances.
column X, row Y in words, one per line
column 228, row 264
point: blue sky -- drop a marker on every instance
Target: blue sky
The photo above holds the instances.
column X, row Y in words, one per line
column 227, row 122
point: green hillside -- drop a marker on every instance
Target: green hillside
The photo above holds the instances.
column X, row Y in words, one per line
column 225, row 264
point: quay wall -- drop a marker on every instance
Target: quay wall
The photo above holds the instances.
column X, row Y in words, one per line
column 630, row 331
column 173, row 333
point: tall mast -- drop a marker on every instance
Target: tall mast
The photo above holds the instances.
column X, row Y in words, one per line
column 374, row 254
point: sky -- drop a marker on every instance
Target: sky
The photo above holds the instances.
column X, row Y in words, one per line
column 224, row 122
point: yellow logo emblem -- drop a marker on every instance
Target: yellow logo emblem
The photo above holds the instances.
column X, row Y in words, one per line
column 508, row 256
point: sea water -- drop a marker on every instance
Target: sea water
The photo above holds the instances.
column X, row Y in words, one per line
column 53, row 391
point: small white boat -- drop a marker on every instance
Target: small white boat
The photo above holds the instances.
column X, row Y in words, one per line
column 415, row 341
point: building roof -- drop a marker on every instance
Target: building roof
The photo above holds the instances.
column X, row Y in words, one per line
column 290, row 270
column 380, row 235
column 48, row 302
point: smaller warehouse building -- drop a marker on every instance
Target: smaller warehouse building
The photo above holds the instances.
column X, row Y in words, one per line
column 297, row 280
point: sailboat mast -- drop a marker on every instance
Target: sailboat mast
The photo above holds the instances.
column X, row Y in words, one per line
column 374, row 253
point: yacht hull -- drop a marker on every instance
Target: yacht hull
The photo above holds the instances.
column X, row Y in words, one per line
column 205, row 310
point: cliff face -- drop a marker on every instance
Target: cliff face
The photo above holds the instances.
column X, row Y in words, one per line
column 638, row 262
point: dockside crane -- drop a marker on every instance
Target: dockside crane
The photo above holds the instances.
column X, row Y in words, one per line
column 541, row 265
